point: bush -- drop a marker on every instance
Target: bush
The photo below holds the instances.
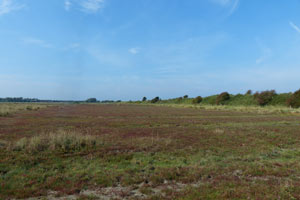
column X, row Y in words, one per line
column 222, row 98
column 210, row 100
column 185, row 96
column 144, row 99
column 265, row 97
column 155, row 100
column 294, row 100
column 280, row 99
column 197, row 100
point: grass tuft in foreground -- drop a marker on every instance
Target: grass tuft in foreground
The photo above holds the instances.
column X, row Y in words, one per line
column 64, row 141
column 6, row 109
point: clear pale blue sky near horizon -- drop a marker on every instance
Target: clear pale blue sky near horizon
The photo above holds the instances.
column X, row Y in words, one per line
column 127, row 49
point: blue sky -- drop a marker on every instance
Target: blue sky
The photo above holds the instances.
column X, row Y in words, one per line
column 127, row 49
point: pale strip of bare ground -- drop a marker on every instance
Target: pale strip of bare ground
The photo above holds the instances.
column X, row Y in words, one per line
column 119, row 192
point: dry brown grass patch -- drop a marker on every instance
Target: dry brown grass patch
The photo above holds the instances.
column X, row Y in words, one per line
column 59, row 141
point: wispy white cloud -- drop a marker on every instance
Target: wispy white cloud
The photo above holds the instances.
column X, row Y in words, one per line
column 175, row 58
column 109, row 57
column 232, row 5
column 266, row 52
column 134, row 50
column 91, row 6
column 295, row 27
column 37, row 42
column 68, row 5
column 221, row 2
column 74, row 45
column 7, row 6
column 87, row 6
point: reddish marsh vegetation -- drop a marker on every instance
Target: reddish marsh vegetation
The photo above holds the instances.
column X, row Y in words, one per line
column 150, row 152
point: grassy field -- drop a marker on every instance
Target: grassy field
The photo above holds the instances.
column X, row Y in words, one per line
column 123, row 151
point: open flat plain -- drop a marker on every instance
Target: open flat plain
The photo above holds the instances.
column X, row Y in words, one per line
column 123, row 151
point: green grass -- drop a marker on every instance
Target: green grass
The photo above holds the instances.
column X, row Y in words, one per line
column 162, row 152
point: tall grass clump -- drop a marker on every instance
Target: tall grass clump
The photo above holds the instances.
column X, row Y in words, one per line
column 7, row 109
column 63, row 141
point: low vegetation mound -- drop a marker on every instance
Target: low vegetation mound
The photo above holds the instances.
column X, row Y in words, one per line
column 222, row 98
column 65, row 141
column 265, row 98
column 294, row 100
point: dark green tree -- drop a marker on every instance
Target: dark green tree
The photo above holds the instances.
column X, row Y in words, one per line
column 155, row 100
column 197, row 100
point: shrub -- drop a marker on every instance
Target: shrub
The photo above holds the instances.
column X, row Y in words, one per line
column 210, row 100
column 222, row 98
column 65, row 141
column 280, row 99
column 294, row 100
column 155, row 100
column 241, row 100
column 197, row 100
column 185, row 96
column 265, row 97
column 144, row 99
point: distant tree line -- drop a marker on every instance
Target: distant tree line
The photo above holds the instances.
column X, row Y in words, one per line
column 263, row 98
column 30, row 100
column 21, row 99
